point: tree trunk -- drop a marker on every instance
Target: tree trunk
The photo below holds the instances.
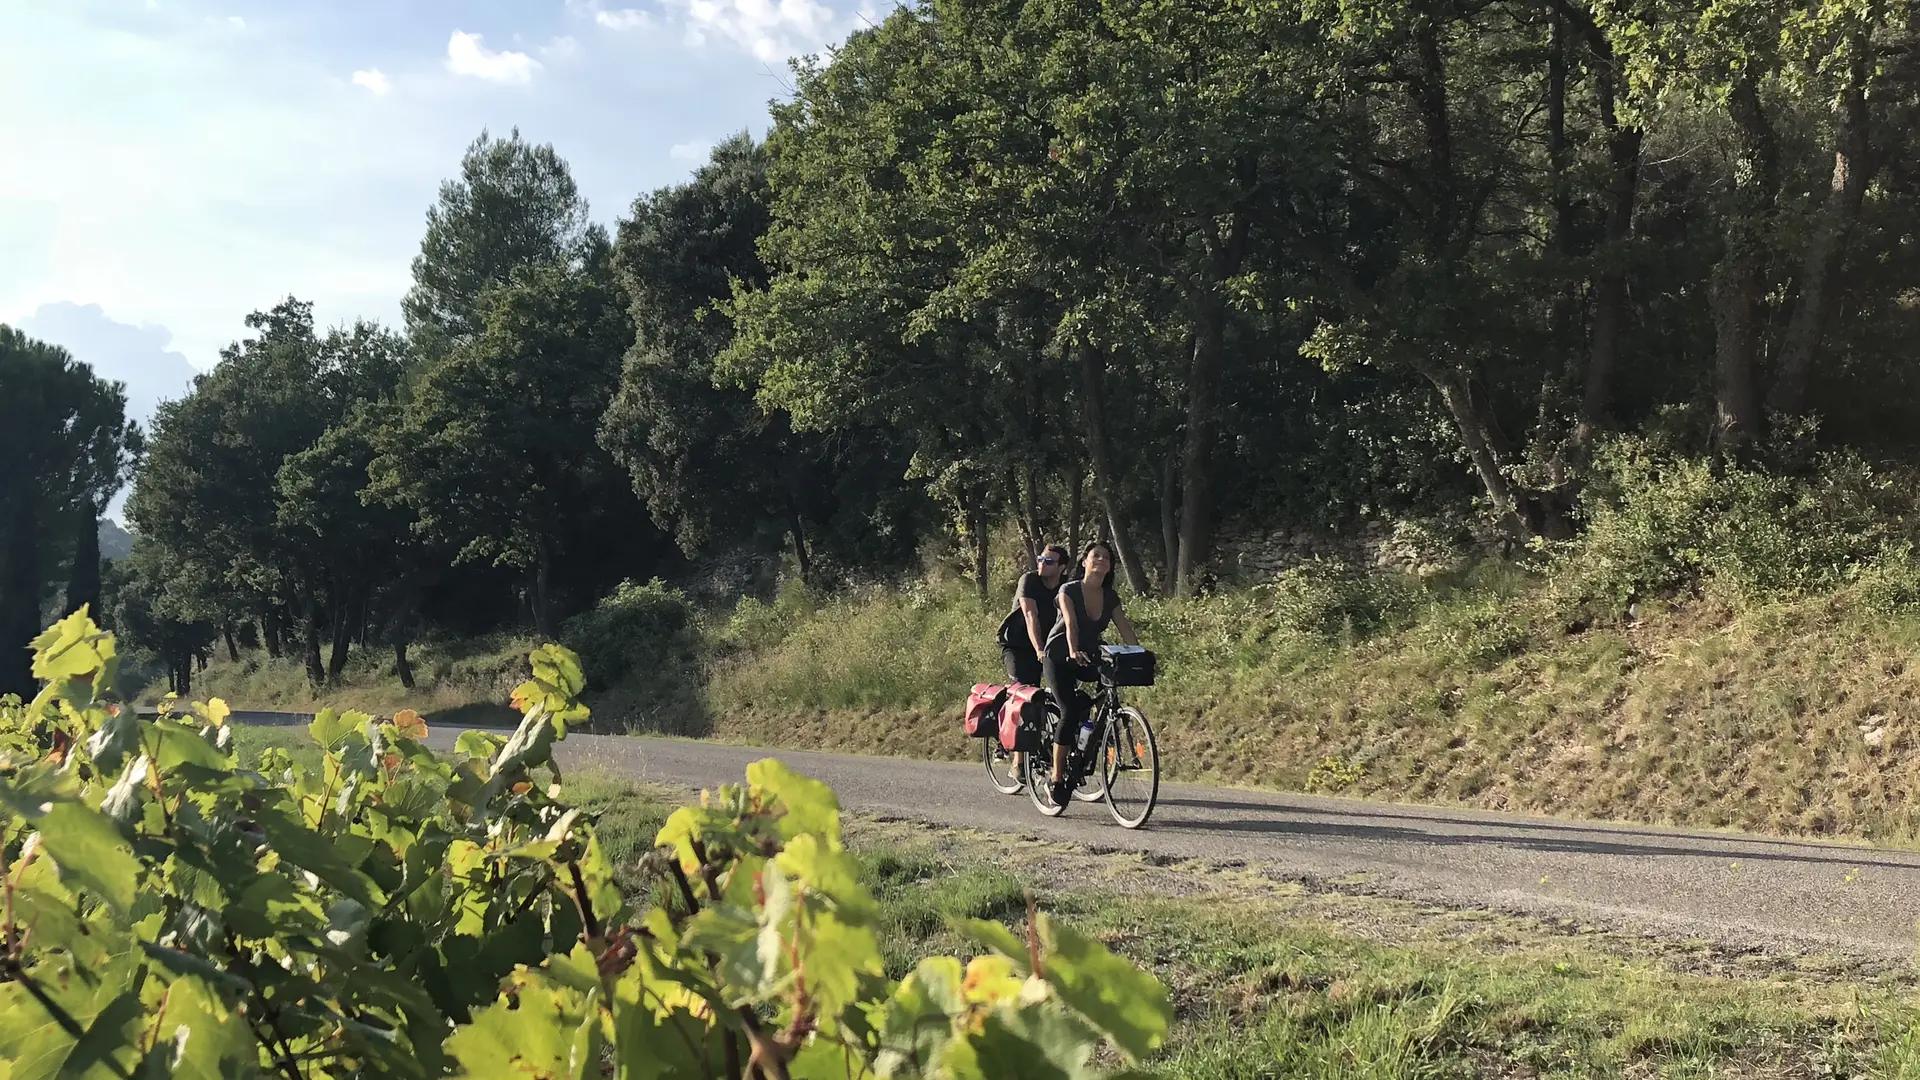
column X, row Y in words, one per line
column 1203, row 378
column 19, row 590
column 83, row 582
column 1035, row 529
column 1092, row 378
column 1738, row 281
column 1610, row 274
column 1170, row 522
column 981, row 550
column 1483, row 442
column 1022, row 515
column 1075, row 511
column 316, row 672
column 342, row 632
column 1563, row 313
column 542, row 600
column 270, row 631
column 797, row 530
column 1853, row 167
column 402, row 633
column 233, row 647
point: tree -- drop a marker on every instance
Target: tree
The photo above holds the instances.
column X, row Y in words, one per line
column 68, row 448
column 498, row 459
column 513, row 206
column 321, row 508
column 717, row 469
column 111, row 447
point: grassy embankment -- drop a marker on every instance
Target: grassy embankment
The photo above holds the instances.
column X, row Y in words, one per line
column 1270, row 980
column 1796, row 717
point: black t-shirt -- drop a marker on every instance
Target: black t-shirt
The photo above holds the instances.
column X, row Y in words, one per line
column 1013, row 628
column 1091, row 629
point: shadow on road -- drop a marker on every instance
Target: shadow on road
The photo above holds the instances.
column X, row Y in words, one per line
column 1292, row 826
column 1401, row 812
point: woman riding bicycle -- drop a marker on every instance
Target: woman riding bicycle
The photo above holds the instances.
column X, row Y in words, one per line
column 1086, row 607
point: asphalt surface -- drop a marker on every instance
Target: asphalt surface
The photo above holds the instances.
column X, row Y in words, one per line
column 1733, row 889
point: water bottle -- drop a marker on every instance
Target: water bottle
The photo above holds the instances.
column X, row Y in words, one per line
column 1086, row 733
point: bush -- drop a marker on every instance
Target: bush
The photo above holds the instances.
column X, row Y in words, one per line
column 756, row 625
column 634, row 628
column 1661, row 524
column 1332, row 600
column 397, row 914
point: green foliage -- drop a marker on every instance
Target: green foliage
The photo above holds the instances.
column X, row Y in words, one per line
column 1334, row 600
column 69, row 447
column 636, row 628
column 391, row 912
column 1661, row 523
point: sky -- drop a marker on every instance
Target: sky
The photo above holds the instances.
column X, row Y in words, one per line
column 171, row 165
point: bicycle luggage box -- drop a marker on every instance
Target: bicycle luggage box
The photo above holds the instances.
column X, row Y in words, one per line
column 1132, row 665
column 1023, row 719
column 982, row 717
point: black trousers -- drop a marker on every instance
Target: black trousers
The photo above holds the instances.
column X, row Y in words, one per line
column 1022, row 665
column 1063, row 682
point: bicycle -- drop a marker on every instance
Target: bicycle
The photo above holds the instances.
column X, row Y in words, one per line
column 1120, row 746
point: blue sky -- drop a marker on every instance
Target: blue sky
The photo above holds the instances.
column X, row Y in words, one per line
column 171, row 165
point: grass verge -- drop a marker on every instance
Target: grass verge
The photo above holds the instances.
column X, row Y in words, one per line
column 1274, row 979
column 1798, row 717
column 1271, row 979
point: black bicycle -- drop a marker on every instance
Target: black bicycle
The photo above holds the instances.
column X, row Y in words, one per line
column 1116, row 755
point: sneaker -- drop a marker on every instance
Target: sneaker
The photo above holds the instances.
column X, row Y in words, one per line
column 1060, row 792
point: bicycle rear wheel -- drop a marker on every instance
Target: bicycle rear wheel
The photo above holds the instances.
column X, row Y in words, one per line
column 1130, row 760
column 1001, row 773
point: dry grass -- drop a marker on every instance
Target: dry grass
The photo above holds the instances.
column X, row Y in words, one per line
column 1797, row 718
column 457, row 681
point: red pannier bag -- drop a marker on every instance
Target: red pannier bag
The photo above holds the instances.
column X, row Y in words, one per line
column 1022, row 719
column 983, row 709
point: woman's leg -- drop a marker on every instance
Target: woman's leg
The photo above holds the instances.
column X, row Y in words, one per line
column 1063, row 677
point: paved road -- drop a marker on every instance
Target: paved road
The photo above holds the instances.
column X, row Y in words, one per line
column 1730, row 888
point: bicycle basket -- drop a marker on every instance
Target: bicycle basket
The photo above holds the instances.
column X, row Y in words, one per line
column 1132, row 665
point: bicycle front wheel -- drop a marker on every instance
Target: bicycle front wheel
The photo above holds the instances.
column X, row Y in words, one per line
column 1001, row 773
column 1130, row 761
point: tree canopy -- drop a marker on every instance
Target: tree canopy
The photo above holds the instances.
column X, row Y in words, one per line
column 1168, row 272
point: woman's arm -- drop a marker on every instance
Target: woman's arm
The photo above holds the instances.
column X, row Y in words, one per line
column 1073, row 626
column 1031, row 609
column 1125, row 626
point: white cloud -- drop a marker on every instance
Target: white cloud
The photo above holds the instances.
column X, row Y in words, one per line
column 690, row 151
column 373, row 79
column 467, row 56
column 771, row 30
column 624, row 19
column 237, row 21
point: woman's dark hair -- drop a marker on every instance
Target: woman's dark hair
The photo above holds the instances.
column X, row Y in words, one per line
column 1080, row 567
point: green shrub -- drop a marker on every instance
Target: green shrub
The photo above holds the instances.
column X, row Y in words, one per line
column 1333, row 600
column 636, row 627
column 1889, row 583
column 393, row 913
column 1660, row 524
column 757, row 625
column 1477, row 630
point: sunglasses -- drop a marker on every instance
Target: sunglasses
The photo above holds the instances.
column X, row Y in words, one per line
column 1048, row 560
